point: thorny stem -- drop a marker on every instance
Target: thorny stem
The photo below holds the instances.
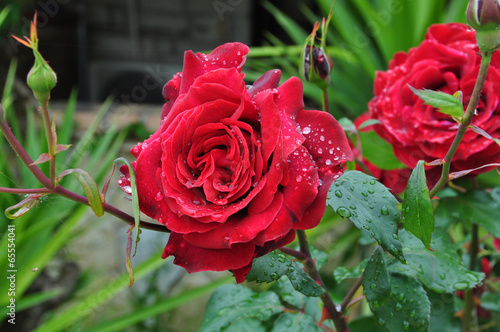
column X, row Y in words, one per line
column 310, row 268
column 50, row 188
column 466, row 121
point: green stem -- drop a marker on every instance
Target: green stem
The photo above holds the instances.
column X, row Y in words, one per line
column 50, row 188
column 350, row 294
column 470, row 324
column 466, row 121
column 51, row 142
column 310, row 268
column 326, row 102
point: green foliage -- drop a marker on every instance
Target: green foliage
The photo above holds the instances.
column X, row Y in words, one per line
column 378, row 151
column 274, row 265
column 417, row 212
column 342, row 273
column 443, row 102
column 441, row 270
column 370, row 206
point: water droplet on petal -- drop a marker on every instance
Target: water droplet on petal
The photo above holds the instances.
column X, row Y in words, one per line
column 306, row 130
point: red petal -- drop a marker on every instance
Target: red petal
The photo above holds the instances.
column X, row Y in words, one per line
column 269, row 80
column 195, row 259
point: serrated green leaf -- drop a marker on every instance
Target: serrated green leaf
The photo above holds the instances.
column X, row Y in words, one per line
column 274, row 265
column 418, row 213
column 320, row 257
column 269, row 267
column 89, row 188
column 477, row 206
column 376, row 280
column 370, row 206
column 406, row 306
column 441, row 270
column 232, row 303
column 377, row 151
column 491, row 301
column 295, row 322
column 443, row 102
column 342, row 273
column 302, row 282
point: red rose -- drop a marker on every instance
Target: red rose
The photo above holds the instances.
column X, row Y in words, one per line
column 233, row 170
column 447, row 60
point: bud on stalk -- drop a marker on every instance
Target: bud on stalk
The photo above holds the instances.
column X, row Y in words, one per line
column 484, row 17
column 41, row 78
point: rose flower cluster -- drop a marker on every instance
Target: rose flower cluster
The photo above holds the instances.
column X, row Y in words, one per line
column 447, row 60
column 233, row 171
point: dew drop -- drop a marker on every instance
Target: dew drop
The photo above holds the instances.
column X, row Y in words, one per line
column 461, row 285
column 322, row 138
column 298, row 178
column 372, row 181
column 306, row 130
column 399, row 306
column 338, row 193
column 384, row 210
column 406, row 325
column 344, row 212
column 158, row 196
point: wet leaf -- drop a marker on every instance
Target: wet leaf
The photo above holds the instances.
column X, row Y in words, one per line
column 288, row 321
column 418, row 212
column 89, row 188
column 443, row 102
column 342, row 273
column 441, row 270
column 370, row 206
column 231, row 303
column 376, row 280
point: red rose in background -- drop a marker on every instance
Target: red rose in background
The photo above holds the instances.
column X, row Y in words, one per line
column 447, row 60
column 233, row 170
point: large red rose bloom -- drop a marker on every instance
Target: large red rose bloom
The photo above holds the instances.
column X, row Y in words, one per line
column 233, row 170
column 447, row 60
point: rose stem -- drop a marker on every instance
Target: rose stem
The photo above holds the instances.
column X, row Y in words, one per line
column 49, row 188
column 326, row 102
column 51, row 142
column 350, row 294
column 466, row 121
column 22, row 191
column 310, row 268
column 294, row 253
column 469, row 293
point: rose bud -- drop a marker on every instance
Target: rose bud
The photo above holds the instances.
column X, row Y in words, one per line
column 317, row 66
column 41, row 78
column 484, row 17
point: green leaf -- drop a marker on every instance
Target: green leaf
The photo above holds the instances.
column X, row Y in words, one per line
column 491, row 301
column 269, row 267
column 442, row 270
column 246, row 325
column 369, row 122
column 443, row 102
column 443, row 313
column 231, row 303
column 302, row 282
column 365, row 323
column 483, row 133
column 418, row 213
column 370, row 206
column 406, row 306
column 23, row 206
column 476, row 206
column 272, row 266
column 376, row 280
column 295, row 322
column 377, row 151
column 342, row 273
column 89, row 187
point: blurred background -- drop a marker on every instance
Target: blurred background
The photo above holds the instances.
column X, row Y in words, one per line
column 112, row 59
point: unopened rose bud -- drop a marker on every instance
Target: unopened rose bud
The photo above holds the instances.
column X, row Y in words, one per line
column 484, row 17
column 317, row 65
column 41, row 79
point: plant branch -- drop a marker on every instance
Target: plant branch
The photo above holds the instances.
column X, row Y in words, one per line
column 22, row 191
column 468, row 322
column 294, row 253
column 350, row 293
column 466, row 121
column 49, row 188
column 310, row 268
column 51, row 142
column 326, row 102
